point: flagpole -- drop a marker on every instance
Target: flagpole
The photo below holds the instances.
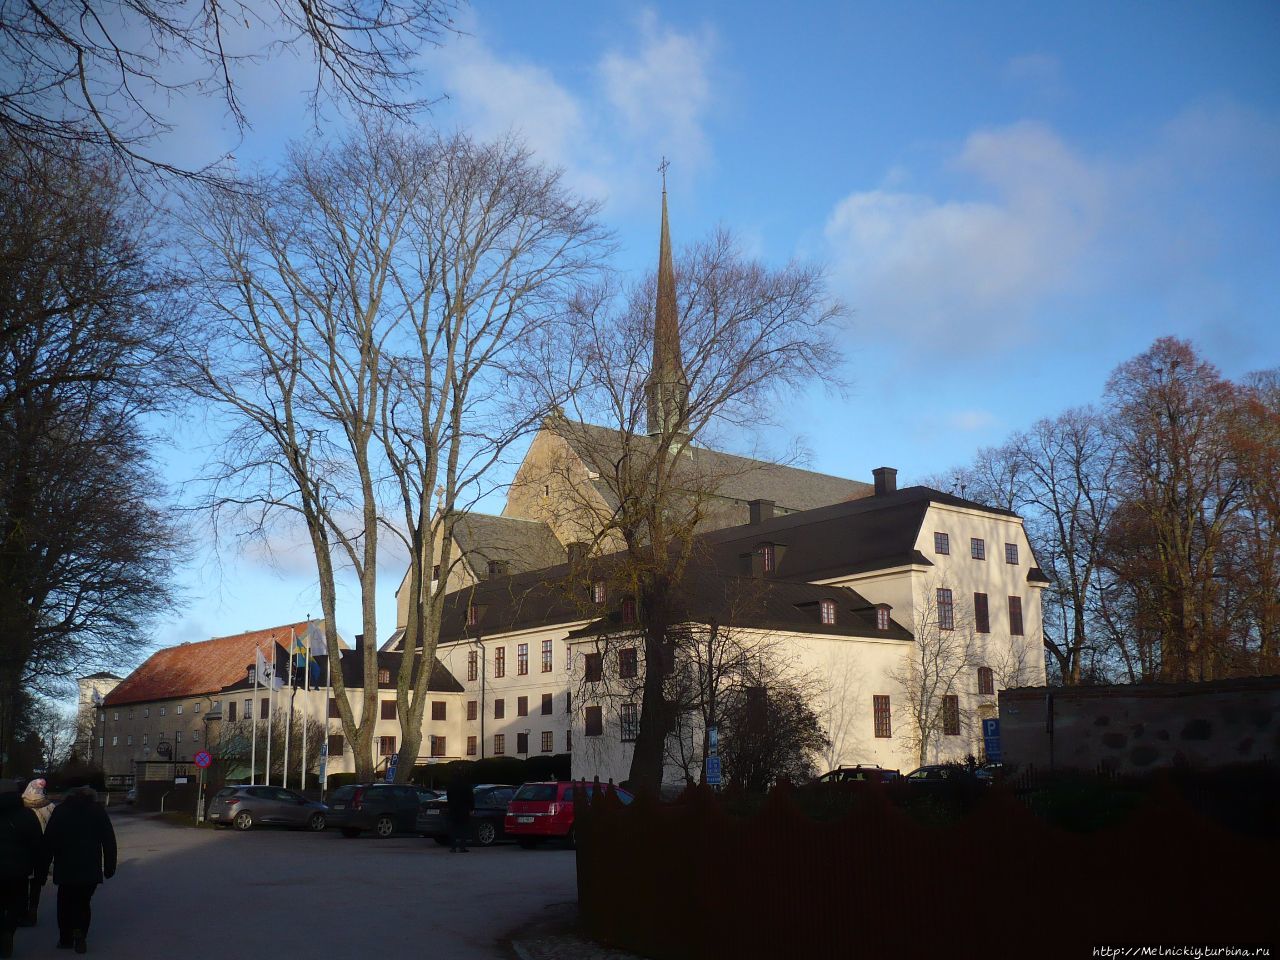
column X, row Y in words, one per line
column 271, row 710
column 253, row 748
column 306, row 702
column 288, row 722
column 328, row 693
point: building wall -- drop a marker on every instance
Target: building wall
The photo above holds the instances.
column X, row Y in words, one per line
column 128, row 733
column 91, row 691
column 1143, row 727
column 554, row 486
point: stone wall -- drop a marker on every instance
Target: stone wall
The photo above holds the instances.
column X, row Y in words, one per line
column 1136, row 728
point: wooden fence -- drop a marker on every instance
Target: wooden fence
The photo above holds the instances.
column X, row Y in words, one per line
column 688, row 881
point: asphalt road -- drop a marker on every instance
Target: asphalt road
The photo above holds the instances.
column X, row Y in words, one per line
column 272, row 894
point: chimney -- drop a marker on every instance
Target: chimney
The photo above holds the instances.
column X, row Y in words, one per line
column 359, row 644
column 761, row 510
column 578, row 553
column 886, row 480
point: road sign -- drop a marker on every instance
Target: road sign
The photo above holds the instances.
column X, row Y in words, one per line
column 203, row 759
column 713, row 771
column 991, row 738
column 391, row 767
column 713, row 740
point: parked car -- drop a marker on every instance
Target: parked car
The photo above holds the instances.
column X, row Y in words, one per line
column 543, row 811
column 859, row 773
column 943, row 776
column 487, row 826
column 246, row 807
column 384, row 808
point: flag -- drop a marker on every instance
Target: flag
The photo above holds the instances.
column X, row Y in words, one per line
column 266, row 670
column 304, row 651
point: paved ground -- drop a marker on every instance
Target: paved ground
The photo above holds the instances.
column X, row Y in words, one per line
column 276, row 894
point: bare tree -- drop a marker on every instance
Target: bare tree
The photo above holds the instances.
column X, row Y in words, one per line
column 107, row 75
column 234, row 744
column 641, row 406
column 370, row 313
column 85, row 545
column 943, row 653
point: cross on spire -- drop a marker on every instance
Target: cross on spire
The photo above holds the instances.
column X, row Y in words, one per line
column 662, row 169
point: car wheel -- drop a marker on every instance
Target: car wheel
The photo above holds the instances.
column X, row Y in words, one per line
column 351, row 832
column 385, row 827
column 441, row 840
column 486, row 833
column 243, row 820
column 316, row 823
column 527, row 843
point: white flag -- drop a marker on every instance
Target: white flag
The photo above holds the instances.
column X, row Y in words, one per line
column 266, row 670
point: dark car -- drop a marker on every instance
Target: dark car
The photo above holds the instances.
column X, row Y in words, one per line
column 487, row 826
column 943, row 776
column 859, row 773
column 543, row 811
column 384, row 808
column 246, row 807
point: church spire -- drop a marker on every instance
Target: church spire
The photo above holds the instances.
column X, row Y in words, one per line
column 667, row 389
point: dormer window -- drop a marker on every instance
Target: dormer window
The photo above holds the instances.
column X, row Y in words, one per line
column 629, row 610
column 765, row 552
column 473, row 615
column 827, row 610
column 250, row 671
column 598, row 592
column 882, row 617
column 384, row 675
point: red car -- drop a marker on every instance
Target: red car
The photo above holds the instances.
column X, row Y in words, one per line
column 540, row 811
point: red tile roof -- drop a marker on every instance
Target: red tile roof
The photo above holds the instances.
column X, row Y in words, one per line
column 193, row 669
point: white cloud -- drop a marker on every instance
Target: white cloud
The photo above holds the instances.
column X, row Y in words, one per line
column 971, row 420
column 660, row 93
column 649, row 98
column 948, row 272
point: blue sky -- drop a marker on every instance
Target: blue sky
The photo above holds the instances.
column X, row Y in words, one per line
column 1011, row 199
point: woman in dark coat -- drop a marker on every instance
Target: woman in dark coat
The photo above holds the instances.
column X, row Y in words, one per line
column 82, row 846
column 21, row 855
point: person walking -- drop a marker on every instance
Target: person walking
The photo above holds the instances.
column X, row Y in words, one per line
column 461, row 801
column 81, row 845
column 34, row 799
column 21, row 854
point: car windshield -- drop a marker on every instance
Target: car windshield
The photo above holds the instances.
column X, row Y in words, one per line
column 536, row 792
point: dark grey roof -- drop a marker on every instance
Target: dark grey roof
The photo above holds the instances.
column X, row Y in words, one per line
column 876, row 532
column 522, row 544
column 103, row 675
column 736, row 480
column 706, row 594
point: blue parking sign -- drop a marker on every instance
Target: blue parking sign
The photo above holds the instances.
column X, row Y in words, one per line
column 391, row 767
column 713, row 771
column 991, row 738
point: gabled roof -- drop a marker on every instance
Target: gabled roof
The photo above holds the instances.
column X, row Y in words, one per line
column 707, row 593
column 876, row 532
column 195, row 669
column 521, row 544
column 736, row 480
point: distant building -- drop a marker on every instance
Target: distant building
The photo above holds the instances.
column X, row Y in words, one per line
column 92, row 689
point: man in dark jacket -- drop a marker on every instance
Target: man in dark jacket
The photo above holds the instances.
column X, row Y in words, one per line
column 461, row 800
column 82, row 846
column 21, row 855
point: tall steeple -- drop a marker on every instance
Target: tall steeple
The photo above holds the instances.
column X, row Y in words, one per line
column 667, row 388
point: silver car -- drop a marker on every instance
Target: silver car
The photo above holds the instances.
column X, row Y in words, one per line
column 246, row 807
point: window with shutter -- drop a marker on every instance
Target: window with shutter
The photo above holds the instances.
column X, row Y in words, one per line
column 594, row 721
column 981, row 614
